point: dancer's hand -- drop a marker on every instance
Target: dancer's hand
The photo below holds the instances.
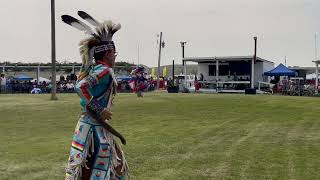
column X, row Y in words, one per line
column 106, row 114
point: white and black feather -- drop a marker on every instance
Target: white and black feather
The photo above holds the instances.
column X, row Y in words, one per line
column 76, row 24
column 103, row 33
column 88, row 18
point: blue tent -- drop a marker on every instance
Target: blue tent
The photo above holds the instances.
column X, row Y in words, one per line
column 22, row 77
column 280, row 70
column 123, row 78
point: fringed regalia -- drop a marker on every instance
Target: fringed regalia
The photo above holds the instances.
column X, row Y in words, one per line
column 94, row 153
column 139, row 80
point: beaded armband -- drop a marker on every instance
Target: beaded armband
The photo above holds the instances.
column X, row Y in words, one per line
column 92, row 80
column 94, row 107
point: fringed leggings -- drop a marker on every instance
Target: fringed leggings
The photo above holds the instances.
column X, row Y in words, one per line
column 94, row 154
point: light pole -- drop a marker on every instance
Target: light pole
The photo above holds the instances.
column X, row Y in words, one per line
column 184, row 64
column 285, row 60
column 315, row 46
column 3, row 68
column 316, row 61
column 53, row 53
column 183, row 43
column 138, row 55
column 173, row 71
column 254, row 59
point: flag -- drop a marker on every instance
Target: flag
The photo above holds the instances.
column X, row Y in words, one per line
column 164, row 72
column 153, row 73
column 131, row 84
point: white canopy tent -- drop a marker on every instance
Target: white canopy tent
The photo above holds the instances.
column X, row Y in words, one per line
column 312, row 76
column 41, row 79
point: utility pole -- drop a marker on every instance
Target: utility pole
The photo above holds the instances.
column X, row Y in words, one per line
column 159, row 57
column 53, row 53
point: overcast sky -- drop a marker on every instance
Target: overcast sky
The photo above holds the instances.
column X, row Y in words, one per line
column 210, row 27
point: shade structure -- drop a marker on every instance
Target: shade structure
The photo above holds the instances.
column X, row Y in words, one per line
column 22, row 77
column 41, row 79
column 280, row 70
column 123, row 78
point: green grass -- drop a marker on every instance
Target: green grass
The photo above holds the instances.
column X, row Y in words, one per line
column 171, row 136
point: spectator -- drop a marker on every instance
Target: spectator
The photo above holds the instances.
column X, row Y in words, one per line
column 3, row 83
column 62, row 78
column 48, row 89
column 70, row 87
column 235, row 77
column 201, row 77
column 35, row 90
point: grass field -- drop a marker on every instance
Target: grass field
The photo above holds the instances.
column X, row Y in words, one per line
column 171, row 136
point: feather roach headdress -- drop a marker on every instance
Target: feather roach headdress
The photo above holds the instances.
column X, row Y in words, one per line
column 95, row 46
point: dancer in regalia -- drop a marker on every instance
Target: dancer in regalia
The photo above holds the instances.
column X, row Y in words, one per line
column 139, row 80
column 94, row 152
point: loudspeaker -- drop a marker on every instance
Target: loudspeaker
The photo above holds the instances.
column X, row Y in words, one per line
column 250, row 91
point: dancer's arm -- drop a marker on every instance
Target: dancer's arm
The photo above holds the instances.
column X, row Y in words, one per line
column 85, row 86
